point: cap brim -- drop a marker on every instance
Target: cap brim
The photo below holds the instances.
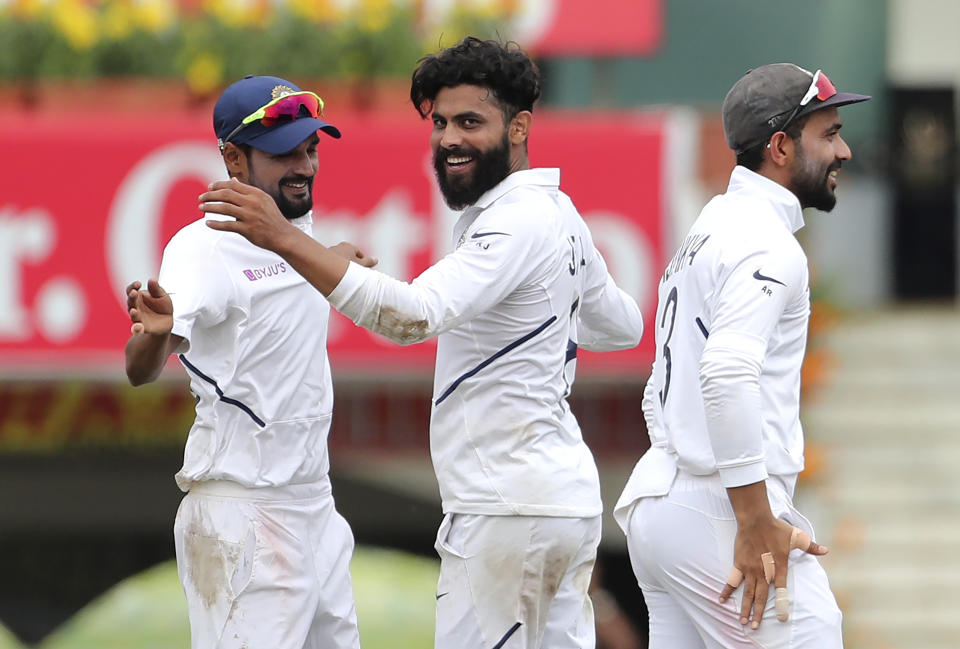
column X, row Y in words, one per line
column 285, row 137
column 839, row 99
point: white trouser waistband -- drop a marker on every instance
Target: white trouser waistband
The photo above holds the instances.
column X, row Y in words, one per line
column 230, row 489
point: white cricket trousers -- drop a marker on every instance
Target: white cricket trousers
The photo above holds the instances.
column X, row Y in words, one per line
column 265, row 568
column 515, row 582
column 681, row 549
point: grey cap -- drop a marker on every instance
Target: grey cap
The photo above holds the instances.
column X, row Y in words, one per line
column 761, row 101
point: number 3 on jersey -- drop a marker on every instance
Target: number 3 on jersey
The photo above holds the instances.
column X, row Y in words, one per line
column 671, row 306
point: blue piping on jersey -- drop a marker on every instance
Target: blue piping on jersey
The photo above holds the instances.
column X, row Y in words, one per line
column 571, row 351
column 516, row 343
column 507, row 635
column 225, row 399
column 703, row 330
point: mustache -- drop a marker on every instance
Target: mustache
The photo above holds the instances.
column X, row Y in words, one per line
column 296, row 178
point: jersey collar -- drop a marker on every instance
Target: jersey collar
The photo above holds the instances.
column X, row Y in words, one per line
column 304, row 222
column 782, row 199
column 549, row 177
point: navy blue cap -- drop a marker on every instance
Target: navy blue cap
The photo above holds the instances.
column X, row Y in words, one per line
column 247, row 96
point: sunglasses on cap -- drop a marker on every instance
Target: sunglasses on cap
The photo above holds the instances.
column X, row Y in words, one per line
column 821, row 88
column 286, row 106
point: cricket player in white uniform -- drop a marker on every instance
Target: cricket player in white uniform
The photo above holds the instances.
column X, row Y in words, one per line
column 523, row 288
column 262, row 553
column 710, row 504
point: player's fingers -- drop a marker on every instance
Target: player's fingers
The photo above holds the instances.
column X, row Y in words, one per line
column 230, row 183
column 769, row 566
column 136, row 328
column 219, row 198
column 800, row 540
column 734, row 579
column 154, row 288
column 368, row 262
column 782, row 604
column 223, row 226
column 759, row 604
column 133, row 286
column 226, row 209
column 747, row 603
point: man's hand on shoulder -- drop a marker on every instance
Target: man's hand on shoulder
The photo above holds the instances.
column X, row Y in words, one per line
column 256, row 214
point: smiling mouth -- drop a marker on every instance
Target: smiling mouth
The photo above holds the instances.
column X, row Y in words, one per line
column 296, row 186
column 457, row 162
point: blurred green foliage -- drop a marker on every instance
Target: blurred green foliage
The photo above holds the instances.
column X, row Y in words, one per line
column 209, row 41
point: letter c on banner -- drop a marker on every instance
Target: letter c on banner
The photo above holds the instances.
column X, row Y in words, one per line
column 133, row 228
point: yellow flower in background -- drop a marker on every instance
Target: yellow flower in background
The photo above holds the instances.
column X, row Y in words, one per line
column 117, row 19
column 373, row 15
column 29, row 9
column 316, row 11
column 155, row 15
column 204, row 74
column 77, row 22
column 239, row 13
column 489, row 10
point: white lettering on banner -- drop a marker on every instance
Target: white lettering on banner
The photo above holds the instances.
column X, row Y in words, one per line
column 133, row 227
column 627, row 251
column 61, row 309
column 27, row 236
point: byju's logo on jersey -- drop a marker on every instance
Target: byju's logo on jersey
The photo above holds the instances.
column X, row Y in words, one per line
column 253, row 274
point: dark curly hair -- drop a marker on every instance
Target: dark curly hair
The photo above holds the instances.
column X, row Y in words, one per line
column 504, row 68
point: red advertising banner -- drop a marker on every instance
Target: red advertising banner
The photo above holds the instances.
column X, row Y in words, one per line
column 596, row 27
column 87, row 203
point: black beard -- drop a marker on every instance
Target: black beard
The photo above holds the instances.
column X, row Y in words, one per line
column 292, row 210
column 812, row 186
column 490, row 168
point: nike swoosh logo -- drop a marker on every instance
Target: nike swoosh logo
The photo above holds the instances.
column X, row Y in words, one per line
column 764, row 278
column 477, row 235
column 441, row 595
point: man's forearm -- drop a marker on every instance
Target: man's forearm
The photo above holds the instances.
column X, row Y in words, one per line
column 146, row 354
column 750, row 503
column 319, row 265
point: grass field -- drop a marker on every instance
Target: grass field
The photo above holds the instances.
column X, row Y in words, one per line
column 394, row 592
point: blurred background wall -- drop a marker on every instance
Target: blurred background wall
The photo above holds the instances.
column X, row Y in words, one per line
column 105, row 138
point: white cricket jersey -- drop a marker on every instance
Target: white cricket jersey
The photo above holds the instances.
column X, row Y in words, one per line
column 731, row 331
column 255, row 349
column 523, row 289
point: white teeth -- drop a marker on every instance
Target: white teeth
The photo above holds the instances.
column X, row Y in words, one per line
column 833, row 174
column 456, row 160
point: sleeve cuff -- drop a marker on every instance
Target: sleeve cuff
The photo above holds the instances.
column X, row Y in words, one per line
column 349, row 283
column 743, row 474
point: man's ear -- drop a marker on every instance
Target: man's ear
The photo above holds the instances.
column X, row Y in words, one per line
column 236, row 160
column 520, row 127
column 780, row 149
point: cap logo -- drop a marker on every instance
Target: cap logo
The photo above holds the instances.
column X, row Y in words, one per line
column 281, row 91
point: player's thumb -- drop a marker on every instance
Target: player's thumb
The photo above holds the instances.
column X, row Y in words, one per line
column 800, row 540
column 154, row 288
